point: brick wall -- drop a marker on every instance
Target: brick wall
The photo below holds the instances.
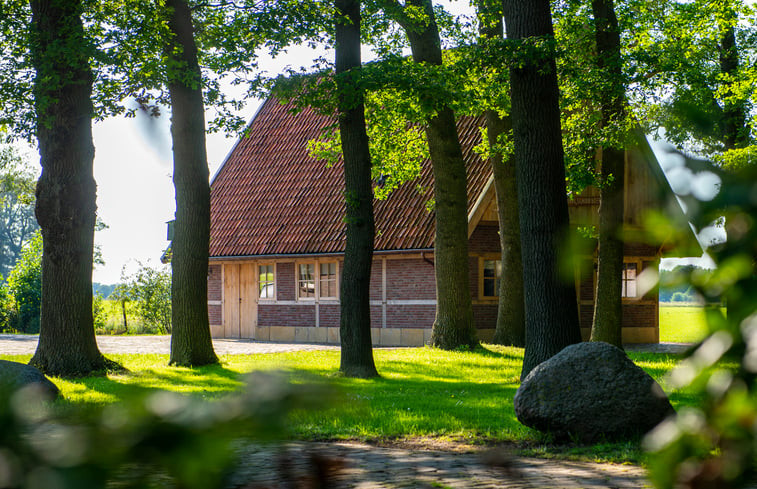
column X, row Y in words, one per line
column 329, row 315
column 286, row 315
column 375, row 292
column 639, row 315
column 586, row 314
column 473, row 276
column 215, row 314
column 634, row 315
column 410, row 316
column 285, row 282
column 485, row 316
column 485, row 239
column 215, row 284
column 375, row 316
column 410, row 279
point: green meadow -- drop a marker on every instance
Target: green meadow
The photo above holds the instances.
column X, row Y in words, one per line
column 453, row 397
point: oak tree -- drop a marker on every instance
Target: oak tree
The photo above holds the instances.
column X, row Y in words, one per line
column 551, row 310
column 355, row 313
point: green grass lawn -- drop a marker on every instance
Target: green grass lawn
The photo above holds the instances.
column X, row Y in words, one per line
column 423, row 392
column 682, row 324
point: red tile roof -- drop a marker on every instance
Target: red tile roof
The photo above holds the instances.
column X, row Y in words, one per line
column 271, row 198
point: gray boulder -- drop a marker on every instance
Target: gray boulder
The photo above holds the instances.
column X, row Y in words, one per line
column 590, row 392
column 14, row 376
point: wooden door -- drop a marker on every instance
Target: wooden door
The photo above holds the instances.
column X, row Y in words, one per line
column 248, row 310
column 239, row 301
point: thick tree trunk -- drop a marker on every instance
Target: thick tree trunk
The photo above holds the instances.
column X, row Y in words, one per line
column 551, row 310
column 453, row 325
column 608, row 310
column 355, row 318
column 191, row 344
column 511, row 326
column 511, row 313
column 65, row 206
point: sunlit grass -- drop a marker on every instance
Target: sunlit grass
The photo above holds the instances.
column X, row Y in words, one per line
column 682, row 324
column 422, row 392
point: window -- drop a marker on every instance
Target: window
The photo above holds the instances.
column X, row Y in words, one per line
column 324, row 285
column 492, row 275
column 629, row 280
column 306, row 281
column 266, row 286
column 328, row 280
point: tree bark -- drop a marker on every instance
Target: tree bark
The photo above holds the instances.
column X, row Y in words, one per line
column 65, row 206
column 511, row 313
column 510, row 329
column 453, row 324
column 735, row 130
column 191, row 344
column 608, row 303
column 551, row 310
column 355, row 317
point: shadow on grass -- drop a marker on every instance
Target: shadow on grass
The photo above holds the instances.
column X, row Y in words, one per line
column 210, row 382
column 391, row 407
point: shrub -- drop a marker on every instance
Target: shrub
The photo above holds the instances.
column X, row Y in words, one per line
column 7, row 311
column 148, row 292
column 25, row 286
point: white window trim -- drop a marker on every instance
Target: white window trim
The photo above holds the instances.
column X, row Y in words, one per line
column 317, row 277
column 635, row 280
column 275, row 281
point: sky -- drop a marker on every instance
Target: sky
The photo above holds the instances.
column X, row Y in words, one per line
column 135, row 194
column 133, row 164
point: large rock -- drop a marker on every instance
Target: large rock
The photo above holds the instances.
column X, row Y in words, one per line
column 590, row 392
column 14, row 376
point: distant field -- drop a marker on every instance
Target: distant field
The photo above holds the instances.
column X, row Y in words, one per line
column 682, row 323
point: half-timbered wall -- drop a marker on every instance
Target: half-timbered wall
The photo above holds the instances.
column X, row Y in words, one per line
column 402, row 297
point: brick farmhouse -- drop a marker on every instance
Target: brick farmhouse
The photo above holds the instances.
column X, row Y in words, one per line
column 277, row 241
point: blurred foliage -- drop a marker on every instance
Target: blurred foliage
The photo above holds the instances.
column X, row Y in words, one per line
column 737, row 159
column 715, row 445
column 153, row 439
column 674, row 54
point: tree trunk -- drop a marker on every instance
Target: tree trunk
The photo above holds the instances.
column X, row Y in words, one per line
column 551, row 310
column 191, row 344
column 355, row 317
column 608, row 303
column 126, row 324
column 735, row 130
column 453, row 325
column 511, row 320
column 510, row 328
column 65, row 206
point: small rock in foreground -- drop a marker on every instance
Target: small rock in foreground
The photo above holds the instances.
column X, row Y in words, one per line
column 591, row 392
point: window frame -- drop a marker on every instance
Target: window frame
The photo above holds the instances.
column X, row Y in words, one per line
column 316, row 264
column 496, row 257
column 335, row 279
column 271, row 282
